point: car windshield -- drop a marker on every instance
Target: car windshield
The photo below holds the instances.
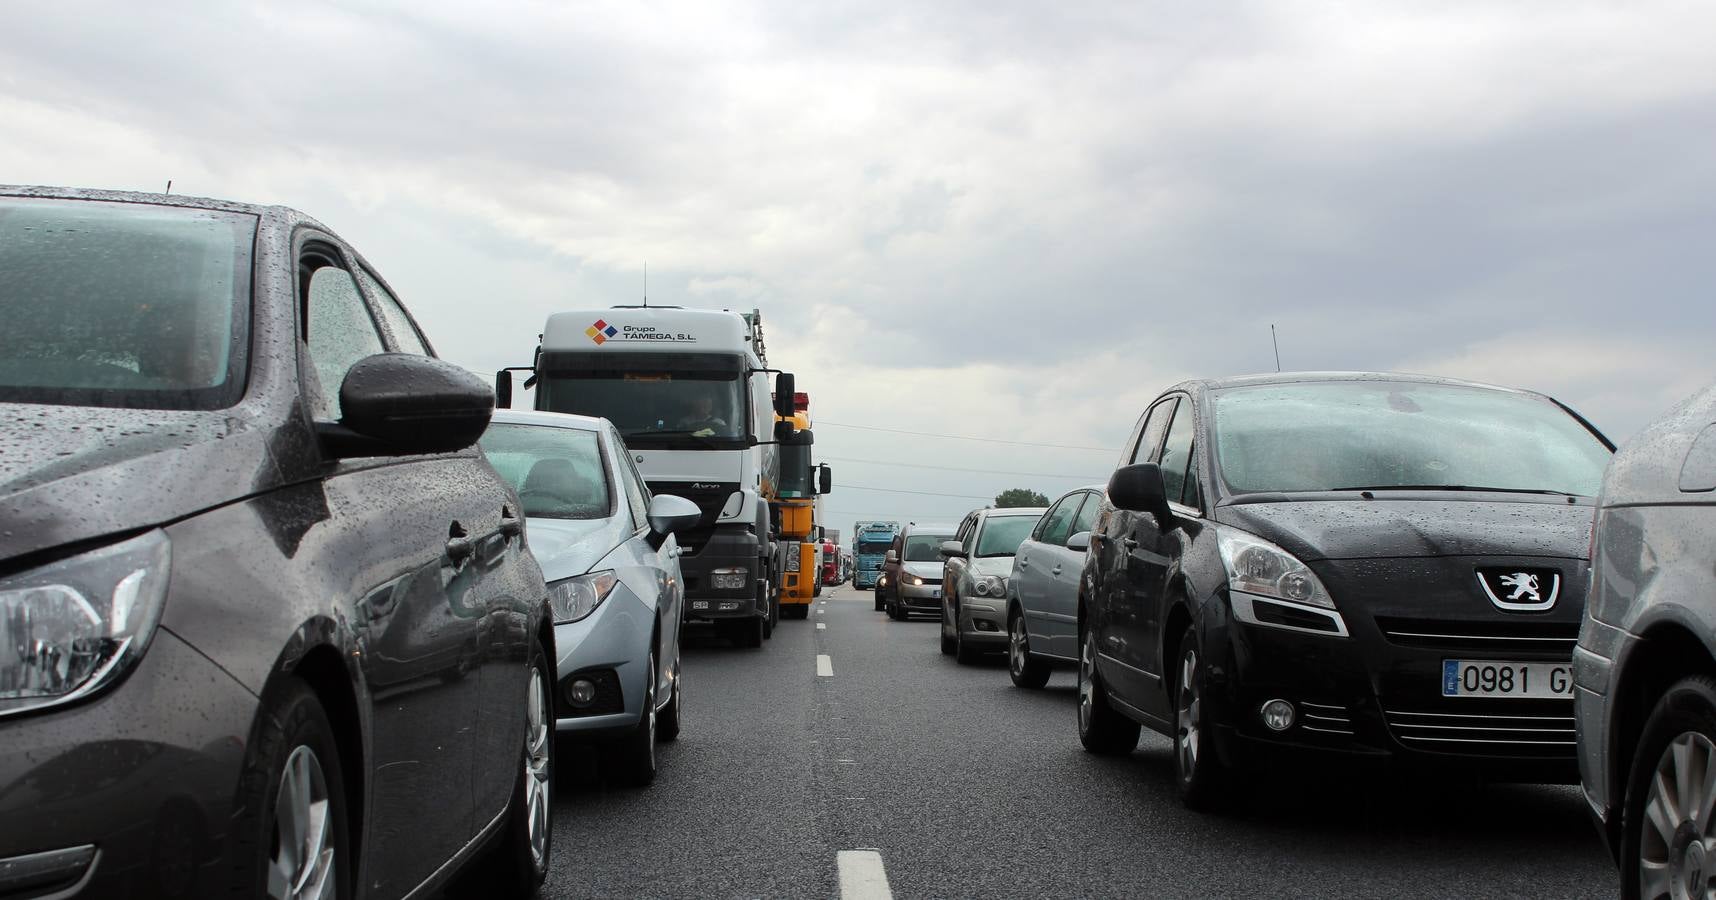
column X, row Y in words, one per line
column 1334, row 435
column 925, row 547
column 654, row 401
column 558, row 472
column 123, row 304
column 1002, row 535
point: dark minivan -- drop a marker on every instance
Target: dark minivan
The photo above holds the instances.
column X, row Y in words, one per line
column 1367, row 566
column 268, row 626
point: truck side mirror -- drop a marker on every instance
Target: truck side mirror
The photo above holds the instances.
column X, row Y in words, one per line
column 503, row 389
column 784, row 395
column 825, row 479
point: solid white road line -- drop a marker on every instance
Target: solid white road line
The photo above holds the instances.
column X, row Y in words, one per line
column 822, row 626
column 862, row 876
column 824, row 665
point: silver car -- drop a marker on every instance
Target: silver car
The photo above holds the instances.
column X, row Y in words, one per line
column 1042, row 618
column 1644, row 691
column 975, row 576
column 913, row 571
column 607, row 551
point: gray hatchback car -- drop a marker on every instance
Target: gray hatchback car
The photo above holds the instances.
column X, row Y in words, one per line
column 979, row 560
column 1645, row 667
column 607, row 550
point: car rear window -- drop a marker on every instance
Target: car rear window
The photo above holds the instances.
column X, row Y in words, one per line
column 1337, row 435
column 558, row 472
column 123, row 304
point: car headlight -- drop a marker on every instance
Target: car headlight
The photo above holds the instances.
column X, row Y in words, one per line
column 71, row 627
column 989, row 586
column 574, row 598
column 1258, row 567
column 914, row 580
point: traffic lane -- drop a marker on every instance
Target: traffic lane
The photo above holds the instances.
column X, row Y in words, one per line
column 973, row 787
column 734, row 809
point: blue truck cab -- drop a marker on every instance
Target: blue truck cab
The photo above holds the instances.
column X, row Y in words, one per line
column 870, row 543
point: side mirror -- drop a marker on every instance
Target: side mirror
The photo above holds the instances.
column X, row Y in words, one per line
column 1079, row 543
column 503, row 389
column 1139, row 488
column 952, row 550
column 783, row 395
column 891, row 557
column 670, row 514
column 404, row 404
column 825, row 479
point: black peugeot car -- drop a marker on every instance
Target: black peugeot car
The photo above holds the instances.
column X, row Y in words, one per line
column 268, row 626
column 1385, row 566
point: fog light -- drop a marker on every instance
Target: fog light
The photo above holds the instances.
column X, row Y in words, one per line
column 729, row 605
column 985, row 625
column 581, row 692
column 1278, row 715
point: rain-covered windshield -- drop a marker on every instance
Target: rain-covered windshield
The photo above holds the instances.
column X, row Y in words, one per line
column 1334, row 435
column 1002, row 535
column 123, row 304
column 557, row 472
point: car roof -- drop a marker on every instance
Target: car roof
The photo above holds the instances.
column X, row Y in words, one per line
column 550, row 419
column 180, row 200
column 1234, row 381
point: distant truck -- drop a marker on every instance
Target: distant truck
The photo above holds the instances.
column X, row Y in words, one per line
column 689, row 391
column 870, row 543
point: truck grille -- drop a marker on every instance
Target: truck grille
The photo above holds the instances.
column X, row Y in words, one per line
column 1556, row 638
column 709, row 496
column 1543, row 729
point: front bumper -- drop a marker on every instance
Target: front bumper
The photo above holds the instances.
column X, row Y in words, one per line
column 919, row 598
column 1378, row 693
column 610, row 648
column 144, row 774
column 983, row 622
column 729, row 548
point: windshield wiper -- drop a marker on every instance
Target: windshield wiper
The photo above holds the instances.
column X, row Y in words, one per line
column 1456, row 487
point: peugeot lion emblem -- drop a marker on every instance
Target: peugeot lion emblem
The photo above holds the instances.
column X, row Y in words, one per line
column 1521, row 590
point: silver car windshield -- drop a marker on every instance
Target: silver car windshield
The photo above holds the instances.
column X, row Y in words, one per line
column 925, row 547
column 558, row 472
column 1002, row 535
column 1383, row 435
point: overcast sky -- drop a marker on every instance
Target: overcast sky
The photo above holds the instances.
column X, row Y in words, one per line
column 1012, row 220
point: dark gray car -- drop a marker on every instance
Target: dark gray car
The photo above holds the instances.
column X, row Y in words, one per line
column 1645, row 667
column 267, row 622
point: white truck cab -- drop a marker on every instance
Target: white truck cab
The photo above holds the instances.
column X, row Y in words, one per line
column 689, row 391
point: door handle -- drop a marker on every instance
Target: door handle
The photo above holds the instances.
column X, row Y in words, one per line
column 1130, row 543
column 460, row 546
column 511, row 526
column 1024, row 563
column 1055, row 571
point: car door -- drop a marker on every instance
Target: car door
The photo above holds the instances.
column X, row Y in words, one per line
column 1036, row 569
column 1060, row 601
column 393, row 521
column 1128, row 549
column 1153, row 554
column 662, row 562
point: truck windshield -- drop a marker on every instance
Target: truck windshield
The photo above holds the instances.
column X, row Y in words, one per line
column 877, row 547
column 655, row 400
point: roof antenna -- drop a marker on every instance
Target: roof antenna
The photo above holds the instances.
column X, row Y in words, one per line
column 646, row 284
column 169, row 186
column 1276, row 344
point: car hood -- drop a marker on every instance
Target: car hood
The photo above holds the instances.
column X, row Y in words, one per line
column 568, row 547
column 992, row 565
column 71, row 474
column 923, row 569
column 1392, row 529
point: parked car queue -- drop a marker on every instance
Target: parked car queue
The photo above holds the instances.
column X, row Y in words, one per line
column 248, row 539
column 1377, row 567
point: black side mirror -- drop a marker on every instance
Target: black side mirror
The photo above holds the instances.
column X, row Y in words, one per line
column 503, row 389
column 403, row 404
column 784, row 394
column 1139, row 488
column 825, row 479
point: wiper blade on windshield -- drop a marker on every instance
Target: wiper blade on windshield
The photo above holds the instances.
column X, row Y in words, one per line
column 1455, row 487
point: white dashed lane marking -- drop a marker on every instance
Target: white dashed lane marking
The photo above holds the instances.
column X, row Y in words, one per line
column 824, row 665
column 862, row 876
column 822, row 626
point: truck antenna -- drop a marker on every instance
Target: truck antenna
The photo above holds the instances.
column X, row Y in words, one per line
column 169, row 189
column 646, row 284
column 1276, row 344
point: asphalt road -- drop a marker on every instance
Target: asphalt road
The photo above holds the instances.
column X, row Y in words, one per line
column 969, row 787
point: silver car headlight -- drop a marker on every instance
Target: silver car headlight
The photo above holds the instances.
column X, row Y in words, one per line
column 913, row 580
column 71, row 627
column 989, row 586
column 575, row 598
column 1256, row 566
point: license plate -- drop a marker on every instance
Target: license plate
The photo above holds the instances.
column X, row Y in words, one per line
column 935, row 594
column 1494, row 678
column 700, row 604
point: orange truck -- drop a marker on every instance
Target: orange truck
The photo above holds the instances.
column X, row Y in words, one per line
column 800, row 484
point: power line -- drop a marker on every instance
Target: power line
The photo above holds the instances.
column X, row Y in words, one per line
column 965, row 437
column 879, row 462
column 859, row 487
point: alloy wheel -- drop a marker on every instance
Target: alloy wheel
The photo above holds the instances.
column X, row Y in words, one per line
column 1086, row 685
column 301, row 865
column 1189, row 715
column 537, row 780
column 1016, row 649
column 1677, row 847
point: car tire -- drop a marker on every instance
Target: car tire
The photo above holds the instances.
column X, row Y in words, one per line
column 668, row 719
column 517, row 865
column 879, row 604
column 947, row 642
column 1026, row 670
column 1203, row 780
column 631, row 759
column 963, row 653
column 294, row 742
column 1681, row 730
column 1101, row 729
